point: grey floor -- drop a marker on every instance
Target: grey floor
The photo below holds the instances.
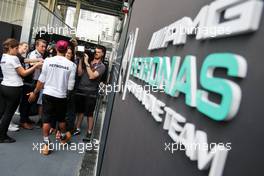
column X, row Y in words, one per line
column 19, row 158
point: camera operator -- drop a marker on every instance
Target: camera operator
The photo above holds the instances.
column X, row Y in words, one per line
column 87, row 90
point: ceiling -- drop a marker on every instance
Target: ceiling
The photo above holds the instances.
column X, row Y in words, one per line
column 110, row 7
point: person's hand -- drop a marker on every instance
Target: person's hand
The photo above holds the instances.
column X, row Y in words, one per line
column 39, row 64
column 32, row 97
column 86, row 57
column 33, row 61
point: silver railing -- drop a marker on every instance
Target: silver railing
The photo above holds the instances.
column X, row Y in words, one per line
column 50, row 22
column 12, row 11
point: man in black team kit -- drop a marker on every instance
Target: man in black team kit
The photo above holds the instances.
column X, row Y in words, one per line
column 57, row 77
column 86, row 92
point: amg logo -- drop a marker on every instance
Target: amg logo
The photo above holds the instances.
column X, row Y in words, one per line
column 239, row 16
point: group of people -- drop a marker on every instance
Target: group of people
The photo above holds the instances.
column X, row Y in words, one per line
column 64, row 85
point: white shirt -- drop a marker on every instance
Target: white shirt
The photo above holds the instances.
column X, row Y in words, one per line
column 58, row 74
column 35, row 55
column 9, row 64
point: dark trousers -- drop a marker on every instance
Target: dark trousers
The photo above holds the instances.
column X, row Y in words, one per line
column 70, row 116
column 25, row 106
column 10, row 98
column 53, row 123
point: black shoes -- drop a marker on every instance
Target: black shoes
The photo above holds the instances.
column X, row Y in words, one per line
column 76, row 132
column 87, row 138
column 7, row 139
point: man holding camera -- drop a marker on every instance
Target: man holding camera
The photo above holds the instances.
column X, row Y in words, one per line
column 90, row 71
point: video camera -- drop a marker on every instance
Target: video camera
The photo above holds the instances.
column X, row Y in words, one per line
column 81, row 50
